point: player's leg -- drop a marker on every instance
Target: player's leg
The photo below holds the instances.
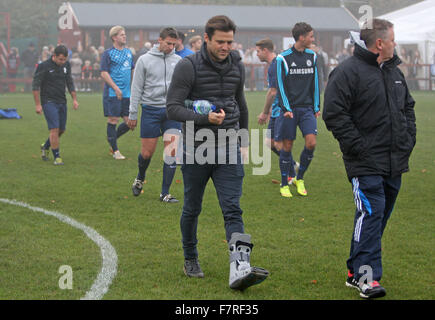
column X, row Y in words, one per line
column 195, row 178
column 149, row 133
column 308, row 126
column 171, row 136
column 52, row 116
column 112, row 111
column 123, row 127
column 285, row 133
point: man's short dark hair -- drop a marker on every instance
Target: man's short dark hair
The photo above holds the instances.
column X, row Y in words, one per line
column 265, row 44
column 61, row 50
column 301, row 29
column 181, row 36
column 221, row 23
column 168, row 32
column 374, row 29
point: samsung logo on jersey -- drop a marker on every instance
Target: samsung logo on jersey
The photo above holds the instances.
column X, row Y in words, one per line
column 301, row 71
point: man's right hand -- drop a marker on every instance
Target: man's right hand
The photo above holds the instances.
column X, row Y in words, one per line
column 118, row 93
column 131, row 124
column 38, row 109
column 216, row 117
column 262, row 118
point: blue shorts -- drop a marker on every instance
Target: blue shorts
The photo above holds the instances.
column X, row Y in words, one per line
column 55, row 114
column 116, row 108
column 285, row 128
column 154, row 122
column 271, row 132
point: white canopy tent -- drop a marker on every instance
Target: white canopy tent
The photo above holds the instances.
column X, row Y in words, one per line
column 416, row 25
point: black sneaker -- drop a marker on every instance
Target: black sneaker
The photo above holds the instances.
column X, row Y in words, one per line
column 192, row 268
column 372, row 290
column 168, row 198
column 137, row 187
column 351, row 282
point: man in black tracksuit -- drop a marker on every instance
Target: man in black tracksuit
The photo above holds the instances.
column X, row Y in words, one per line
column 216, row 74
column 49, row 82
column 370, row 112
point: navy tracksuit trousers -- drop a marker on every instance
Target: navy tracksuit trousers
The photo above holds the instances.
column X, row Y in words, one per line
column 227, row 177
column 374, row 199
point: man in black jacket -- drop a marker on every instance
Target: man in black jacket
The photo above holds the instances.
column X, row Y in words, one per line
column 49, row 82
column 216, row 74
column 370, row 112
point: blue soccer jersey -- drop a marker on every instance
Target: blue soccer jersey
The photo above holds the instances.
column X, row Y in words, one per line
column 119, row 65
column 272, row 83
column 298, row 83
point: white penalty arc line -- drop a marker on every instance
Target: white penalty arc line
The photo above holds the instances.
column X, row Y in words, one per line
column 110, row 259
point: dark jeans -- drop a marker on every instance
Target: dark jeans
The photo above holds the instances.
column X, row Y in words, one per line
column 227, row 180
column 374, row 199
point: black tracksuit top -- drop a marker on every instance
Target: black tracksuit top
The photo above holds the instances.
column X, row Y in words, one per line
column 51, row 80
column 370, row 112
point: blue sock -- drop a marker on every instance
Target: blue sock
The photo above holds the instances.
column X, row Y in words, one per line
column 169, row 168
column 306, row 157
column 284, row 166
column 291, row 172
column 111, row 136
column 56, row 153
column 122, row 128
column 47, row 144
column 142, row 165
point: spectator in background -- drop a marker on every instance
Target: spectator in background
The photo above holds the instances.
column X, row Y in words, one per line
column 179, row 47
column 321, row 66
column 195, row 43
column 405, row 61
column 12, row 67
column 241, row 52
column 76, row 70
column 29, row 59
column 45, row 54
column 96, row 76
column 87, row 75
column 146, row 47
column 417, row 69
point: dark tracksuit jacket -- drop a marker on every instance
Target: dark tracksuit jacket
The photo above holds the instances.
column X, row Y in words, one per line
column 51, row 80
column 298, row 81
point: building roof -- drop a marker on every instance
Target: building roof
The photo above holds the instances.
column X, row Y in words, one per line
column 156, row 16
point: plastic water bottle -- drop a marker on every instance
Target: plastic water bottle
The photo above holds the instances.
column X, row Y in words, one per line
column 200, row 106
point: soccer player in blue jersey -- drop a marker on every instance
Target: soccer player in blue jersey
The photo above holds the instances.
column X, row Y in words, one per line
column 299, row 98
column 265, row 52
column 180, row 49
column 116, row 70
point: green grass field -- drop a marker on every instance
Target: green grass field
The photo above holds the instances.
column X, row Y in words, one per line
column 303, row 242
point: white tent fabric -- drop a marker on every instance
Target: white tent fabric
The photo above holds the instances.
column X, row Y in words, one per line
column 416, row 25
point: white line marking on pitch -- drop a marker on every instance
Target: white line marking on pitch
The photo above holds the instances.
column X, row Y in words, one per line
column 110, row 259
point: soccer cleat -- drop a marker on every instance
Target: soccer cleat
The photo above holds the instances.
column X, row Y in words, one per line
column 291, row 180
column 242, row 275
column 118, row 156
column 44, row 153
column 168, row 198
column 58, row 161
column 300, row 186
column 285, row 191
column 137, row 187
column 371, row 290
column 192, row 268
column 351, row 282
